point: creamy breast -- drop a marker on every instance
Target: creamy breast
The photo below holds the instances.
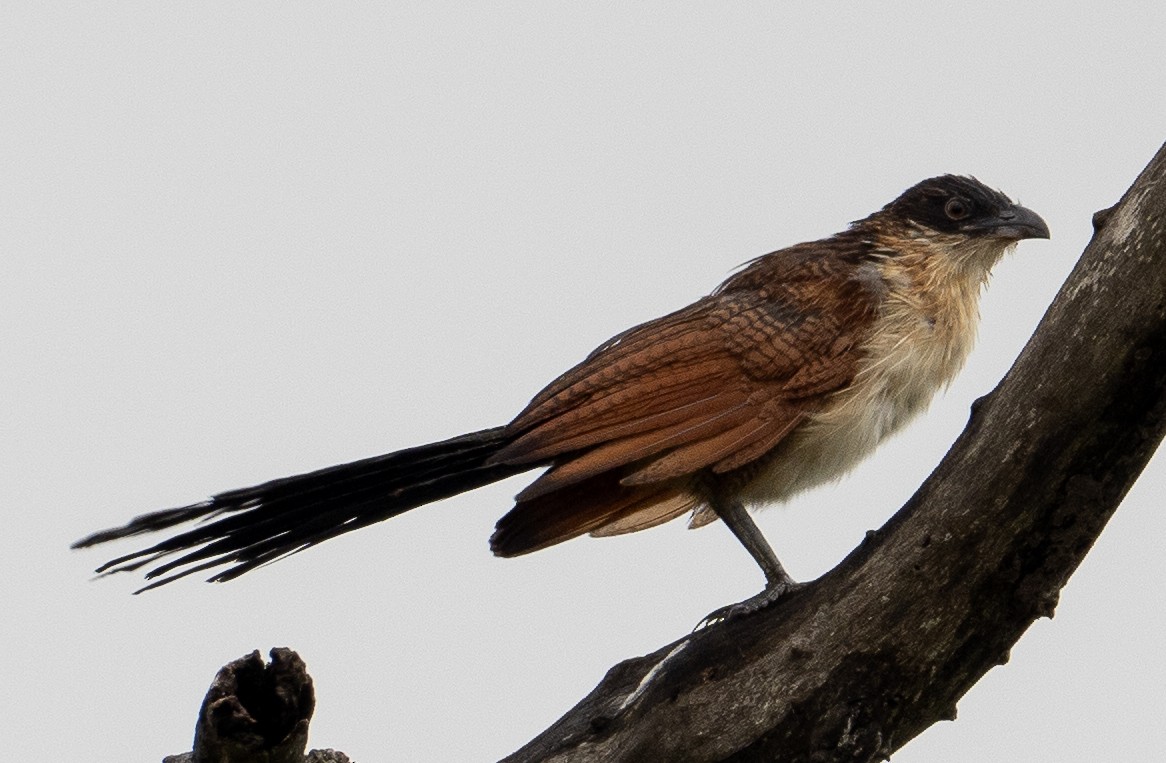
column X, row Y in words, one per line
column 915, row 348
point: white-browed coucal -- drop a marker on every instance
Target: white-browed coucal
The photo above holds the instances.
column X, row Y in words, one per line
column 783, row 378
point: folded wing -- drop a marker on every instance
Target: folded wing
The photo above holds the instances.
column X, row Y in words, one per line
column 706, row 390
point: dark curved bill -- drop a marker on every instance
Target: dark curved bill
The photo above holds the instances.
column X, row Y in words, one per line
column 1015, row 222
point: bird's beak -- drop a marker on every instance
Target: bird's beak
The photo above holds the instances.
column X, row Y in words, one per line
column 1015, row 223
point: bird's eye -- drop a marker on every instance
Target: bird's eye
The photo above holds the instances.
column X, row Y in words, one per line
column 956, row 209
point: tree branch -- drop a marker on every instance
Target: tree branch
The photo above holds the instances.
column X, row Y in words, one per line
column 256, row 713
column 865, row 658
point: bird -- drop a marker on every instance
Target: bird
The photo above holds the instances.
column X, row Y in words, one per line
column 784, row 377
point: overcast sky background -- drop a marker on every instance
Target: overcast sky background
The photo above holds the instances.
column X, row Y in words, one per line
column 244, row 240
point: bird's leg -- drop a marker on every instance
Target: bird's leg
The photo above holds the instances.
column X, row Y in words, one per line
column 777, row 580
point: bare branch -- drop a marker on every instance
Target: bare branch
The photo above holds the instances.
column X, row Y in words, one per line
column 256, row 713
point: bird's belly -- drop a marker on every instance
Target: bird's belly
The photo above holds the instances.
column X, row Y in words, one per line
column 820, row 454
column 833, row 441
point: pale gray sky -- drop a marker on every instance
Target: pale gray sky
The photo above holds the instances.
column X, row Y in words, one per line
column 242, row 240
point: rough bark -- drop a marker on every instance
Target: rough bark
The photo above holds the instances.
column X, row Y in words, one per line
column 256, row 713
column 865, row 658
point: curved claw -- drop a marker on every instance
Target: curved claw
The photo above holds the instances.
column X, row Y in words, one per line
column 759, row 601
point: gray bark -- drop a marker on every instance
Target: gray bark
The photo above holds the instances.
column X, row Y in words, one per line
column 862, row 660
column 256, row 713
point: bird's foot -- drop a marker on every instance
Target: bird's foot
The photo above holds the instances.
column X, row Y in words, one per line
column 767, row 596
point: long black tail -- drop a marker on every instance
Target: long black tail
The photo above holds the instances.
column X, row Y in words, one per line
column 256, row 525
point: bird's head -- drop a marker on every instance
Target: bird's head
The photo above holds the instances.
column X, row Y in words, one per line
column 960, row 215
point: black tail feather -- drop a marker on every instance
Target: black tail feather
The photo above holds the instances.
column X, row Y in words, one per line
column 257, row 525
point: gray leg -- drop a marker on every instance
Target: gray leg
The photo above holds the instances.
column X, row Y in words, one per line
column 777, row 580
